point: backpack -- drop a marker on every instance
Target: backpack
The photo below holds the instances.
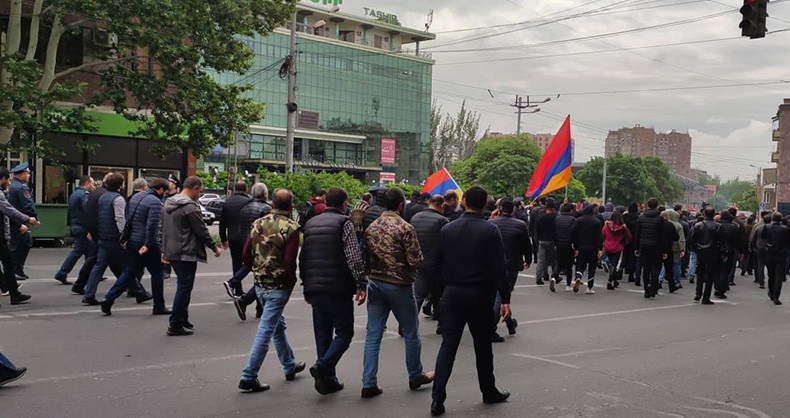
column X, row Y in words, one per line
column 705, row 236
column 305, row 214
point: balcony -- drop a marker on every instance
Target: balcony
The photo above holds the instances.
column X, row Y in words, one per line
column 775, row 157
column 777, row 135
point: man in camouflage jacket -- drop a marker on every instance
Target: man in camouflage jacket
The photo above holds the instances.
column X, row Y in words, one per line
column 394, row 254
column 271, row 251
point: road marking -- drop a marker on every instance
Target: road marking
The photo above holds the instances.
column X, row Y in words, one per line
column 745, row 408
column 559, row 363
column 578, row 353
column 593, row 315
column 717, row 411
column 529, row 285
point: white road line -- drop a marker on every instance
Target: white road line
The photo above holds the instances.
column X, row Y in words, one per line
column 579, row 353
column 732, row 405
column 717, row 411
column 559, row 363
column 530, row 285
column 593, row 315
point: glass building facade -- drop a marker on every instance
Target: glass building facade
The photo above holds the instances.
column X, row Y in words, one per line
column 350, row 95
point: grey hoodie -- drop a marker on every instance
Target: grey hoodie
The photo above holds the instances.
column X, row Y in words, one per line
column 184, row 234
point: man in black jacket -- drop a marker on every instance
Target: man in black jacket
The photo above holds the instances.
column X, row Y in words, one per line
column 587, row 238
column 518, row 255
column 650, row 238
column 418, row 205
column 777, row 239
column 545, row 232
column 253, row 210
column 731, row 240
column 229, row 232
column 631, row 263
column 472, row 262
column 563, row 242
column 332, row 270
column 704, row 240
column 427, row 225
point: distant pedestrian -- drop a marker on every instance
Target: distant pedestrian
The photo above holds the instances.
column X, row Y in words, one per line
column 8, row 283
column 184, row 241
column 563, row 242
column 428, row 288
column 332, row 271
column 587, row 241
column 271, row 252
column 705, row 240
column 615, row 237
column 545, row 234
column 21, row 198
column 471, row 261
column 777, row 240
column 230, row 233
column 76, row 228
column 650, row 237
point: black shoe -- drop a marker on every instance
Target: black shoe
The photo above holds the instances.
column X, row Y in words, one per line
column 697, row 298
column 131, row 294
column 708, row 302
column 12, row 375
column 496, row 338
column 372, row 392
column 241, row 309
column 424, row 379
column 164, row 311
column 91, row 302
column 616, row 284
column 334, row 386
column 539, row 282
column 253, row 386
column 258, row 310
column 320, row 380
column 166, row 276
column 144, row 297
column 188, row 325
column 777, row 302
column 660, row 285
column 437, row 409
column 19, row 299
column 438, row 330
column 638, row 283
column 103, row 279
column 298, row 368
column 762, row 286
column 106, row 307
column 720, row 296
column 743, row 273
column 21, row 278
column 77, row 291
column 496, row 397
column 63, row 281
column 609, row 286
column 691, row 280
column 230, row 290
column 511, row 324
column 426, row 308
column 178, row 331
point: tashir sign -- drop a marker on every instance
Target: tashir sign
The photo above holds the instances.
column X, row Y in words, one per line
column 383, row 16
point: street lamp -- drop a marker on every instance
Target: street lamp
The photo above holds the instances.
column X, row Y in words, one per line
column 290, row 103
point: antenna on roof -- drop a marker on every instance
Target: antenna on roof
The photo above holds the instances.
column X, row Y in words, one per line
column 430, row 20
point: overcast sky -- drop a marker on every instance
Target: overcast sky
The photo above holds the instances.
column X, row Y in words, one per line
column 657, row 86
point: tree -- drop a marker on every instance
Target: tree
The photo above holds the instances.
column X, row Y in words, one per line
column 452, row 139
column 576, row 191
column 503, row 166
column 465, row 133
column 669, row 188
column 304, row 185
column 628, row 180
column 155, row 69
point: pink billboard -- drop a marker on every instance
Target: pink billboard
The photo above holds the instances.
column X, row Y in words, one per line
column 387, row 151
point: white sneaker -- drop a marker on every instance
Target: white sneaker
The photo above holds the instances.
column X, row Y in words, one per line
column 589, row 292
column 568, row 288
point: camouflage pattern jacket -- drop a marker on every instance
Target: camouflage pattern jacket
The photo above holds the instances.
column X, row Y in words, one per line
column 392, row 250
column 271, row 250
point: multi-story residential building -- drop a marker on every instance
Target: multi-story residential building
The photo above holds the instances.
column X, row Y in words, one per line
column 363, row 94
column 781, row 156
column 673, row 148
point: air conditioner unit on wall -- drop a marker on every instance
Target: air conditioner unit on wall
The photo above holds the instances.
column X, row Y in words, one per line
column 102, row 39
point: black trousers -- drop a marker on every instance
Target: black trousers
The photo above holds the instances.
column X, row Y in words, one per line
column 669, row 272
column 616, row 271
column 8, row 278
column 90, row 260
column 727, row 273
column 565, row 262
column 462, row 306
column 708, row 272
column 777, row 268
column 650, row 257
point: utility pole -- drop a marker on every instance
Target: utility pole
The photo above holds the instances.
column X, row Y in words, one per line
column 290, row 101
column 603, row 185
column 520, row 106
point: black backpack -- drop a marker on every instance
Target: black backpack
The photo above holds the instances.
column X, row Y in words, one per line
column 305, row 214
column 705, row 236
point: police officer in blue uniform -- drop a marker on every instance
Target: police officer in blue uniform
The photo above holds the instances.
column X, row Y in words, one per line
column 21, row 198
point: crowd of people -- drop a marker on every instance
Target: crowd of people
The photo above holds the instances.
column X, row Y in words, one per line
column 456, row 259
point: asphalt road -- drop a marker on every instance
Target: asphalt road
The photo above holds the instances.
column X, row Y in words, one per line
column 612, row 354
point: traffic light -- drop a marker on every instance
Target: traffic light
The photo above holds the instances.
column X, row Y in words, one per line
column 754, row 14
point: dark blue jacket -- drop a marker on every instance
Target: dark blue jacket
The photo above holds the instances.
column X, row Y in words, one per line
column 322, row 264
column 108, row 228
column 515, row 239
column 144, row 212
column 250, row 213
column 21, row 198
column 469, row 253
column 77, row 211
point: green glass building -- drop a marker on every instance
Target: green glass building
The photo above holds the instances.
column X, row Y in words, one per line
column 360, row 83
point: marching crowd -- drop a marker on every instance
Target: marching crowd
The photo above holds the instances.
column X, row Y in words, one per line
column 456, row 259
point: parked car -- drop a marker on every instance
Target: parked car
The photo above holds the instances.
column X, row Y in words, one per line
column 207, row 197
column 208, row 216
column 215, row 207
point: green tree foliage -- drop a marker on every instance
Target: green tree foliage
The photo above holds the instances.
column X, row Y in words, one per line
column 155, row 69
column 576, row 191
column 503, row 165
column 736, row 191
column 628, row 179
column 408, row 189
column 669, row 188
column 208, row 181
column 304, row 185
column 452, row 138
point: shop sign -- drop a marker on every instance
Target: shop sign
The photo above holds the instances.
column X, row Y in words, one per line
column 387, row 151
column 386, row 178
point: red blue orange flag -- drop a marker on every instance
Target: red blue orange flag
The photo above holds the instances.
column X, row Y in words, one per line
column 439, row 183
column 554, row 168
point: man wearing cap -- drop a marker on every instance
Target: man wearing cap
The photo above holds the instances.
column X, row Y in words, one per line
column 21, row 198
column 7, row 212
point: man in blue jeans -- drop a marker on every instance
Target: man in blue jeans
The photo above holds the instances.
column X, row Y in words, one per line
column 76, row 228
column 184, row 241
column 393, row 253
column 9, row 372
column 271, row 252
column 332, row 270
column 143, row 248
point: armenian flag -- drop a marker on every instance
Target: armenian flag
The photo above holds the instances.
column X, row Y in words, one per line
column 439, row 183
column 554, row 168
